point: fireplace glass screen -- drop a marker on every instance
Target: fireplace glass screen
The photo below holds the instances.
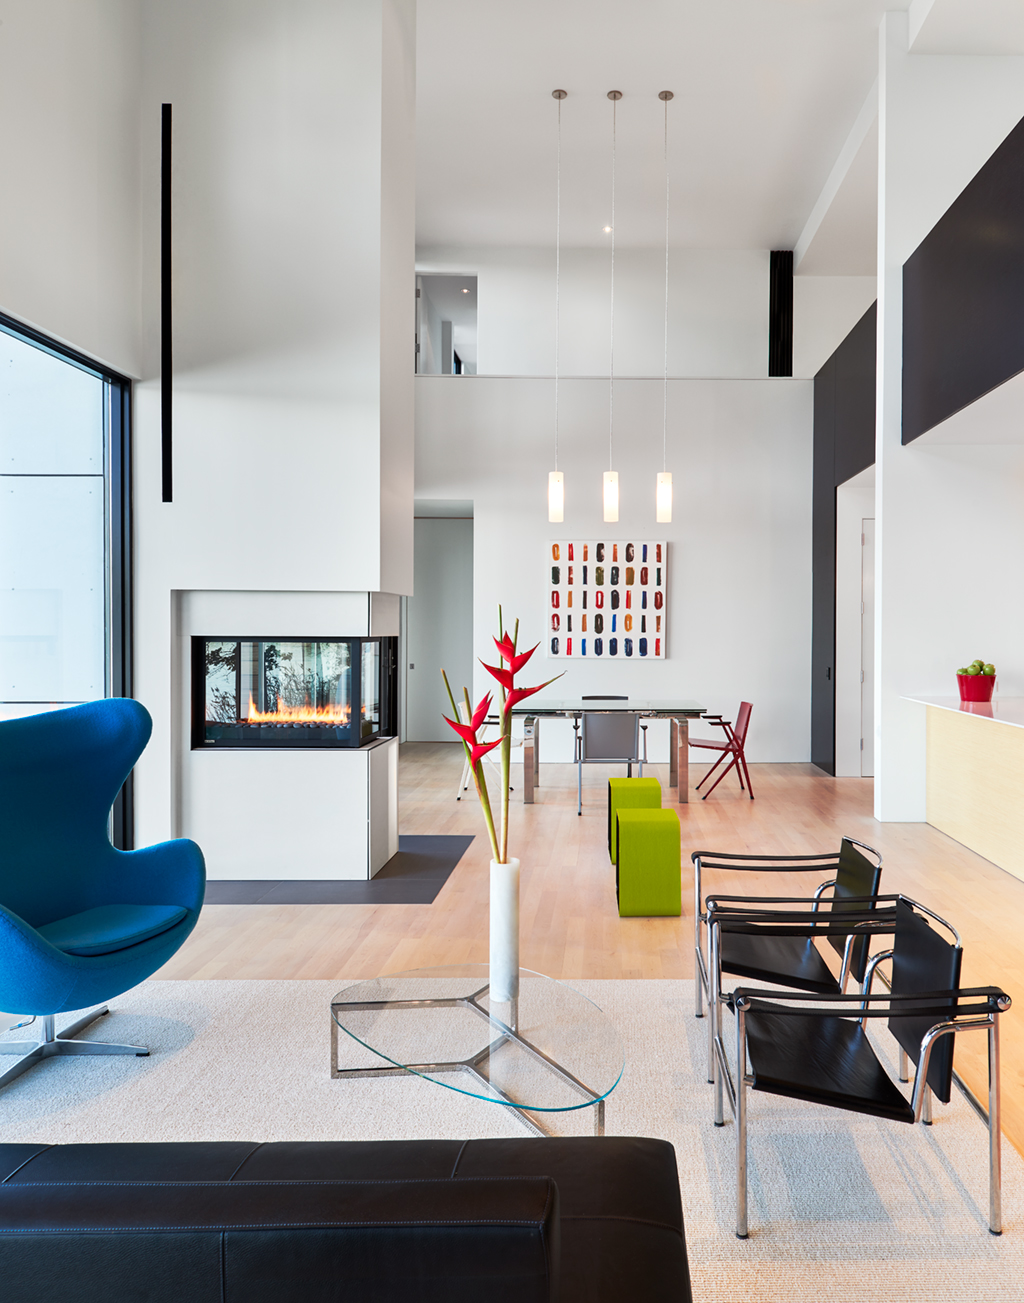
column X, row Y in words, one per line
column 250, row 692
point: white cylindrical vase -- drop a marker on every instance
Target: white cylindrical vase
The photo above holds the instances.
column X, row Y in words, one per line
column 504, row 969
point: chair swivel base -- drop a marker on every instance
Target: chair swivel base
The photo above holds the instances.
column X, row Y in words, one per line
column 49, row 1045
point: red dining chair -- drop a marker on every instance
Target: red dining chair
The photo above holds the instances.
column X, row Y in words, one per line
column 731, row 749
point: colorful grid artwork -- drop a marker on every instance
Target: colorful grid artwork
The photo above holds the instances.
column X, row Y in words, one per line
column 606, row 601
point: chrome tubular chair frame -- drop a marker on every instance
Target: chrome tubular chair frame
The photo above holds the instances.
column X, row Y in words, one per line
column 714, row 860
column 976, row 1009
column 765, row 911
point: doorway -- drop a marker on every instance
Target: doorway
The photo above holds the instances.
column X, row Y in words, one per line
column 854, row 626
column 867, row 649
column 438, row 618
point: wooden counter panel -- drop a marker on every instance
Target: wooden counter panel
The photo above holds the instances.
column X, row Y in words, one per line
column 976, row 785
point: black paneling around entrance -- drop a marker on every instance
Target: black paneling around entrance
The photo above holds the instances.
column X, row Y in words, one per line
column 844, row 445
column 963, row 295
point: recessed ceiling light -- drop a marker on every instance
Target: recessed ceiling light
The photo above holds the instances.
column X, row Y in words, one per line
column 607, row 230
column 465, row 291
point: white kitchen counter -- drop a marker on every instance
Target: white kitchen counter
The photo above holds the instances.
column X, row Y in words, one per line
column 1003, row 710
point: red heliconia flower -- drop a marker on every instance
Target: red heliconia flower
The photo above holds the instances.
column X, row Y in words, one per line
column 481, row 712
column 479, row 749
column 466, row 731
column 499, row 672
column 518, row 694
column 506, row 647
column 508, row 653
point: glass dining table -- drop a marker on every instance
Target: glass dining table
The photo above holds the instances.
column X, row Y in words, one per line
column 677, row 711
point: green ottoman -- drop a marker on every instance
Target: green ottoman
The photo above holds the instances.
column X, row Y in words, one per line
column 648, row 872
column 630, row 794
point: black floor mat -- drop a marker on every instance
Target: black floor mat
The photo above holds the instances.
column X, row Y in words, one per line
column 412, row 877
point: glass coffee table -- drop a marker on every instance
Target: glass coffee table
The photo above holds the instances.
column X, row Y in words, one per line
column 550, row 1051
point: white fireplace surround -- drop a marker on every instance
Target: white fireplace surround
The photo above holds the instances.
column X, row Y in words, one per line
column 283, row 814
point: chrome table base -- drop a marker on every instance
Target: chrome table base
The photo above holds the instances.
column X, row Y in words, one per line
column 50, row 1045
column 476, row 1064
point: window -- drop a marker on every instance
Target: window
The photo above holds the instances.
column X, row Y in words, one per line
column 64, row 532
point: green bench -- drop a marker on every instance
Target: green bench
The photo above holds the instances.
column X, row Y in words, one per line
column 627, row 794
column 648, row 866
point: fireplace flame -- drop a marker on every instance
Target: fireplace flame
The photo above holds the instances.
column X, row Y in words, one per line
column 305, row 714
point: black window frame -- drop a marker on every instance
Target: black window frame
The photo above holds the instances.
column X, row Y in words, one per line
column 117, row 474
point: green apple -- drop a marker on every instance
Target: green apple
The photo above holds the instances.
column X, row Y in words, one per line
column 973, row 669
column 979, row 663
column 989, row 669
column 963, row 671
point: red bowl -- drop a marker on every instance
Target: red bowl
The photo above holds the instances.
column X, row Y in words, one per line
column 976, row 687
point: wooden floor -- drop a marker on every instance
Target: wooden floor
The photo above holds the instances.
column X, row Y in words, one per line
column 570, row 927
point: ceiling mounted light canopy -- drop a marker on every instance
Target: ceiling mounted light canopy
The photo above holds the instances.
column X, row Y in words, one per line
column 556, row 480
column 663, row 492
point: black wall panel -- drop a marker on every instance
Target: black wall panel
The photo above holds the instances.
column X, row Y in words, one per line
column 844, row 445
column 780, row 313
column 963, row 296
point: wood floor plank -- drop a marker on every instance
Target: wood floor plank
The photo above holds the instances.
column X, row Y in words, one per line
column 570, row 924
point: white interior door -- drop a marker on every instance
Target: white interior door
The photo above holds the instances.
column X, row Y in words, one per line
column 867, row 649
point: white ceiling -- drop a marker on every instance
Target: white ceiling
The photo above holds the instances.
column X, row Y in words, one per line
column 767, row 92
column 967, row 27
column 845, row 240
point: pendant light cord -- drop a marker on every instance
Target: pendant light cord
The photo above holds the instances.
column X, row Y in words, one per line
column 558, row 263
column 664, row 418
column 614, row 96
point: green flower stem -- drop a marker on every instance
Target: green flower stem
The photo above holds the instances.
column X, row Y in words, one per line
column 478, row 776
column 481, row 791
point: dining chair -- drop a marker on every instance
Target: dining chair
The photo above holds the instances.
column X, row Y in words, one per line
column 732, row 749
column 607, row 738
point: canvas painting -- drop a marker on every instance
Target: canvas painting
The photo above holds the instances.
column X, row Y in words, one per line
column 606, row 600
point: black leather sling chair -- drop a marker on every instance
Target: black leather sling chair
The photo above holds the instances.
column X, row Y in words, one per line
column 795, row 961
column 815, row 1047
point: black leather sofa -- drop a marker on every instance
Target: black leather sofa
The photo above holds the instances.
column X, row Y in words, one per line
column 506, row 1221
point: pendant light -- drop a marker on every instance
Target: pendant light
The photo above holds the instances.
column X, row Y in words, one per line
column 611, row 477
column 663, row 494
column 556, row 481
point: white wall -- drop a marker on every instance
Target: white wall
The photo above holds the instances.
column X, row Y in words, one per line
column 825, row 310
column 69, row 223
column 740, row 543
column 293, row 248
column 949, row 541
column 718, row 310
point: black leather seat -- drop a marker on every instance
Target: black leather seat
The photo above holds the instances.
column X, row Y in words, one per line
column 795, row 961
column 510, row 1221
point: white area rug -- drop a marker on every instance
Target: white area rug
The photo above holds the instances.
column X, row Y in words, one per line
column 841, row 1206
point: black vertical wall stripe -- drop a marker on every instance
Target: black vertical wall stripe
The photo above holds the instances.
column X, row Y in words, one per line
column 844, row 445
column 166, row 352
column 780, row 313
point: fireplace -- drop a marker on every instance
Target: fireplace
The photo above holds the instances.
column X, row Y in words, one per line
column 293, row 693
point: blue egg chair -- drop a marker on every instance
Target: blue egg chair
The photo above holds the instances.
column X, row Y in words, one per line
column 81, row 922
